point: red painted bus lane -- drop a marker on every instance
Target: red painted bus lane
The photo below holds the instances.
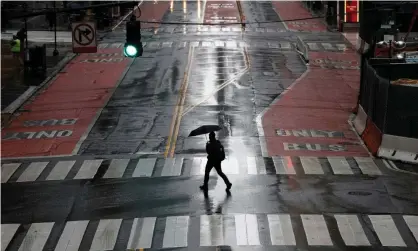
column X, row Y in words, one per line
column 221, row 12
column 55, row 121
column 311, row 119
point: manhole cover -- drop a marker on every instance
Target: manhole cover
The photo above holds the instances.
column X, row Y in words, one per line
column 359, row 193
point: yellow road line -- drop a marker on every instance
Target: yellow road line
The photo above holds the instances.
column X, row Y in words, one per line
column 175, row 123
column 183, row 93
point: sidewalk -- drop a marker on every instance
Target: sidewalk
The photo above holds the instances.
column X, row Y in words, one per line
column 54, row 122
column 13, row 83
column 311, row 118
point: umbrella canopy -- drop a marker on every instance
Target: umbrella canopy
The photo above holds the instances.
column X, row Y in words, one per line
column 204, row 129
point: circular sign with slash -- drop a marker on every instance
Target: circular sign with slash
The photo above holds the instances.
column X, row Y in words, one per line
column 83, row 34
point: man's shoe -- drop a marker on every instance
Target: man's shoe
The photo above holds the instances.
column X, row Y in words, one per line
column 228, row 187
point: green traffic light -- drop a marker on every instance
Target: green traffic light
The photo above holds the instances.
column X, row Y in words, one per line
column 130, row 51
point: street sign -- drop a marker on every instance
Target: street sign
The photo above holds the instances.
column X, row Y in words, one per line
column 84, row 37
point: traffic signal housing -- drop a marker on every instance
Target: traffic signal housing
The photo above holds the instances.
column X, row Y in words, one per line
column 133, row 46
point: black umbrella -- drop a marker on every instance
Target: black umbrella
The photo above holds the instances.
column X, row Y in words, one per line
column 204, row 130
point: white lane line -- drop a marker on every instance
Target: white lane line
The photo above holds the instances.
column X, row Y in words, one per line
column 7, row 233
column 252, row 165
column 36, row 236
column 281, row 230
column 116, row 168
column 144, row 167
column 71, row 236
column 211, row 230
column 7, row 170
column 367, row 166
column 141, row 234
column 387, row 231
column 88, row 169
column 61, row 170
column 176, row 231
column 351, row 230
column 230, row 166
column 246, row 228
column 283, row 165
column 339, row 165
column 311, row 165
column 316, row 230
column 106, row 235
column 412, row 222
column 32, row 172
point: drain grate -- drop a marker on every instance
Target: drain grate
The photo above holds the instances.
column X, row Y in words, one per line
column 358, row 193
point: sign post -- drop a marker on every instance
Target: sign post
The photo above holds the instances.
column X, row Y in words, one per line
column 84, row 37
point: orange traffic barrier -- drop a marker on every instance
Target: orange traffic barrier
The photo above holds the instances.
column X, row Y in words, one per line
column 372, row 137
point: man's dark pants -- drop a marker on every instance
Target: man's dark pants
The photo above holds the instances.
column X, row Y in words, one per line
column 217, row 165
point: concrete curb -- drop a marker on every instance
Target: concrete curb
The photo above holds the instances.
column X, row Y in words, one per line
column 303, row 49
column 8, row 112
column 382, row 145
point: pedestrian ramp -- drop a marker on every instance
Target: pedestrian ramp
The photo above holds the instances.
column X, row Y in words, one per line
column 305, row 231
column 52, row 170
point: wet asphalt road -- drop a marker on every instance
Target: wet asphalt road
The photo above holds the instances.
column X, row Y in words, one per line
column 138, row 119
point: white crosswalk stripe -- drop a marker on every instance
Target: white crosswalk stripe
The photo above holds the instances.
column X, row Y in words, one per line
column 351, row 230
column 246, row 227
column 32, row 172
column 327, row 46
column 116, row 168
column 281, row 231
column 88, row 169
column 203, row 44
column 61, row 170
column 386, row 230
column 211, row 230
column 7, row 171
column 316, row 230
column 311, row 165
column 176, row 230
column 106, row 235
column 339, row 165
column 72, row 236
column 313, row 46
column 367, row 166
column 7, row 233
column 36, row 236
column 412, row 222
column 214, row 230
column 141, row 234
column 283, row 165
column 145, row 167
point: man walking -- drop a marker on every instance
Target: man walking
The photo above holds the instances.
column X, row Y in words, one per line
column 216, row 154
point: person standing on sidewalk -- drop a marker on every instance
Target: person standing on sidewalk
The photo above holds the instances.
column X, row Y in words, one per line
column 16, row 48
column 216, row 154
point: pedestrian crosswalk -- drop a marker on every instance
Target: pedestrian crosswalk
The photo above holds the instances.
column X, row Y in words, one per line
column 210, row 30
column 327, row 46
column 205, row 44
column 182, row 166
column 235, row 230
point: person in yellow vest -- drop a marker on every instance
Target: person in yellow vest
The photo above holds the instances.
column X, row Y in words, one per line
column 16, row 48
